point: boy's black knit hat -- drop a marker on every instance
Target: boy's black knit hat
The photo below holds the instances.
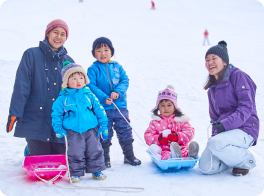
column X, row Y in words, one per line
column 103, row 40
column 220, row 50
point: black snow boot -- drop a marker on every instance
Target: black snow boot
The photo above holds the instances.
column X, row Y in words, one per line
column 127, row 148
column 240, row 172
column 106, row 148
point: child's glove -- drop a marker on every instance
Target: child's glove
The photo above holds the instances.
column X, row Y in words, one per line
column 162, row 140
column 103, row 131
column 173, row 137
column 10, row 123
column 60, row 133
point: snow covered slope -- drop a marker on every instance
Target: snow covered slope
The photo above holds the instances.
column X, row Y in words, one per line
column 156, row 48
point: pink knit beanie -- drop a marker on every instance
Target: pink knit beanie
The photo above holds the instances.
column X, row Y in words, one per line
column 57, row 23
column 170, row 94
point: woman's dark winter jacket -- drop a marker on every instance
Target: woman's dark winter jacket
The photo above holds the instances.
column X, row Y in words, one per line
column 37, row 85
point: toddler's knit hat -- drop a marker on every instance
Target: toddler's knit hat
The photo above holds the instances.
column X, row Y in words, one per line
column 220, row 50
column 57, row 23
column 168, row 93
column 70, row 68
column 103, row 40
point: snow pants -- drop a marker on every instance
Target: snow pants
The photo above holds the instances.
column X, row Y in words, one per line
column 206, row 39
column 85, row 152
column 227, row 150
column 37, row 147
column 116, row 121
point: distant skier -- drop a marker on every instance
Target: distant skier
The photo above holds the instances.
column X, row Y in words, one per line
column 206, row 37
column 169, row 131
column 153, row 5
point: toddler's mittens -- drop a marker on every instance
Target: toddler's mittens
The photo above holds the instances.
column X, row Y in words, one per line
column 61, row 133
column 173, row 137
column 167, row 135
column 162, row 140
column 103, row 131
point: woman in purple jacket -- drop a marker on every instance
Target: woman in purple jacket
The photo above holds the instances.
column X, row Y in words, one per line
column 232, row 109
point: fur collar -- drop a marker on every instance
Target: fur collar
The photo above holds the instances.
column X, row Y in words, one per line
column 183, row 118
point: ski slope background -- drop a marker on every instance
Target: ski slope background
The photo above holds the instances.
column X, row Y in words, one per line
column 156, row 48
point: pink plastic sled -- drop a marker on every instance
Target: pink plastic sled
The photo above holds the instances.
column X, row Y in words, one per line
column 45, row 167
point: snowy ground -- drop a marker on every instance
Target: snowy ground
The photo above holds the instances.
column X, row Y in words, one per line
column 156, row 48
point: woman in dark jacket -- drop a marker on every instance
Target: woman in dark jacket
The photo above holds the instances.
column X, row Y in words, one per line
column 37, row 85
column 233, row 116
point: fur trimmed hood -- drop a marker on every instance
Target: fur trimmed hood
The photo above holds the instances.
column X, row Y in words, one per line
column 182, row 118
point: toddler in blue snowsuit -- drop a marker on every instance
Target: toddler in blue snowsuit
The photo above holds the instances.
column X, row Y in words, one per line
column 109, row 82
column 77, row 114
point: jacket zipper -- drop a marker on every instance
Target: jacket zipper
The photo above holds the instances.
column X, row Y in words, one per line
column 109, row 79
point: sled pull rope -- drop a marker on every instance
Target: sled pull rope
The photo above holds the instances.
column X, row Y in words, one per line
column 129, row 125
column 135, row 132
column 50, row 182
column 114, row 189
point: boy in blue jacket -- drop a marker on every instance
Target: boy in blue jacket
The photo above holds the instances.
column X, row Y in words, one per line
column 109, row 82
column 77, row 114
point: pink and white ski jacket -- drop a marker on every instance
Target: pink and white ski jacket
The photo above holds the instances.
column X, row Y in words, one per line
column 179, row 124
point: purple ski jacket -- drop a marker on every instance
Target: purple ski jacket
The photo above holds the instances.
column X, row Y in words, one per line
column 233, row 102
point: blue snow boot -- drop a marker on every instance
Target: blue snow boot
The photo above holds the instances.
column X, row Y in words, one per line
column 26, row 151
column 99, row 176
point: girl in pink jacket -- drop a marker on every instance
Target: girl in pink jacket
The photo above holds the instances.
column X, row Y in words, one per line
column 169, row 133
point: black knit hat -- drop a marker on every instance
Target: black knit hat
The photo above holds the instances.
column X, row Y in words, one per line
column 220, row 50
column 103, row 40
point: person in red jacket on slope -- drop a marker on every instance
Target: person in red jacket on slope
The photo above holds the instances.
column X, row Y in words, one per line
column 206, row 37
column 153, row 5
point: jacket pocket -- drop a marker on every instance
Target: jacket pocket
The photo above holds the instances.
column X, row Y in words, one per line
column 34, row 113
column 252, row 122
column 70, row 111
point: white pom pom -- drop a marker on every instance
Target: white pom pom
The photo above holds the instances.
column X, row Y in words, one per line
column 171, row 87
column 158, row 156
column 155, row 149
column 166, row 132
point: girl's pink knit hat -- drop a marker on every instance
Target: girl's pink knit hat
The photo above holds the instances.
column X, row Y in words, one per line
column 168, row 93
column 57, row 23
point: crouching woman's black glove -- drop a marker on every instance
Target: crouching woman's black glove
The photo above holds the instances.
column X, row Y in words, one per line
column 218, row 126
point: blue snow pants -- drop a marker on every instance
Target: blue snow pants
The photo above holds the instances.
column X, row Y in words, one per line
column 118, row 123
column 227, row 150
column 85, row 152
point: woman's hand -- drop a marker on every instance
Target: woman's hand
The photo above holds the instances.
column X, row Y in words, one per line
column 10, row 123
column 218, row 126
